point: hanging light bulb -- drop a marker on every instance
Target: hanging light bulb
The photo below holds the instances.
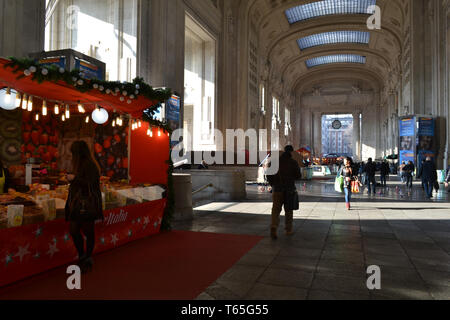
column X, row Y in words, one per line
column 67, row 112
column 87, row 119
column 119, row 121
column 63, row 118
column 30, row 103
column 37, row 117
column 100, row 115
column 114, row 123
column 81, row 108
column 18, row 100
column 159, row 132
column 56, row 108
column 24, row 101
column 44, row 108
column 8, row 95
column 139, row 124
column 151, row 131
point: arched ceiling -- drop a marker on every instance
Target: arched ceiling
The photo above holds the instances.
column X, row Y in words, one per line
column 278, row 44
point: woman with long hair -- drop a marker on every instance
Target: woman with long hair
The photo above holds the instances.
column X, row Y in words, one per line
column 84, row 203
column 349, row 175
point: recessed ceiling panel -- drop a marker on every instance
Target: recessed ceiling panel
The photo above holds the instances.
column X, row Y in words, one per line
column 337, row 58
column 333, row 38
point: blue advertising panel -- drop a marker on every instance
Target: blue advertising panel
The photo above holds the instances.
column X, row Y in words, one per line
column 407, row 139
column 59, row 62
column 425, row 139
column 88, row 70
column 173, row 109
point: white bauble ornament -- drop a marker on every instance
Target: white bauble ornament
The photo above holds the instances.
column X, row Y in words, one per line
column 100, row 116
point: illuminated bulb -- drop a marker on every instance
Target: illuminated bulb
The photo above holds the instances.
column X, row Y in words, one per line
column 148, row 132
column 87, row 119
column 18, row 100
column 100, row 115
column 114, row 123
column 67, row 112
column 63, row 118
column 30, row 103
column 56, row 109
column 24, row 101
column 139, row 124
column 151, row 132
column 81, row 108
column 37, row 116
column 44, row 108
column 8, row 96
column 159, row 132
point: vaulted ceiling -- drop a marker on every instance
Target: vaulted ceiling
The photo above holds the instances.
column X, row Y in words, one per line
column 288, row 63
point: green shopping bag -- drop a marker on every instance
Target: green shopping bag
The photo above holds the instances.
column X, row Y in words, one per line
column 339, row 184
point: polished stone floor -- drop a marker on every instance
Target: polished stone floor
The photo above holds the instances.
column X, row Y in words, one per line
column 404, row 234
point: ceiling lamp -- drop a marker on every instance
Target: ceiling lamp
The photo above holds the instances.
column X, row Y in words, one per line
column 100, row 115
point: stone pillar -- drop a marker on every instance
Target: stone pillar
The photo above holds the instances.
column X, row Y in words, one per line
column 22, row 27
column 356, row 136
column 317, row 133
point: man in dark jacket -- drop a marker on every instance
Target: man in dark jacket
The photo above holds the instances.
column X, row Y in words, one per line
column 384, row 172
column 282, row 183
column 408, row 171
column 428, row 174
column 370, row 170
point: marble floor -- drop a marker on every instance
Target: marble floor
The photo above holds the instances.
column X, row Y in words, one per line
column 401, row 232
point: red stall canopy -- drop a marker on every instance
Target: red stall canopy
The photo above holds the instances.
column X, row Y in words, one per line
column 61, row 91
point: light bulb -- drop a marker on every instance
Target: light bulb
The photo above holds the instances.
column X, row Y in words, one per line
column 81, row 108
column 114, row 123
column 30, row 103
column 24, row 101
column 87, row 119
column 56, row 108
column 8, row 96
column 37, row 116
column 44, row 108
column 159, row 132
column 67, row 112
column 151, row 132
column 139, row 124
column 63, row 118
column 100, row 115
column 18, row 100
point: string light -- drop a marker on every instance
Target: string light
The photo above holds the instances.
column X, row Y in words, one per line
column 114, row 123
column 67, row 112
column 56, row 108
column 44, row 108
column 139, row 124
column 81, row 108
column 87, row 119
column 37, row 116
column 18, row 100
column 159, row 132
column 151, row 131
column 24, row 101
column 8, row 95
column 63, row 118
column 30, row 103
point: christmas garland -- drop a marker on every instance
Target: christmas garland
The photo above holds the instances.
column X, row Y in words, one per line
column 132, row 90
column 53, row 73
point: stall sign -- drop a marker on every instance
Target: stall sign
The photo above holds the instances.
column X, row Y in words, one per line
column 58, row 61
column 88, row 70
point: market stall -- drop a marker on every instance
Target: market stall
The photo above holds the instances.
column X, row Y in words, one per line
column 46, row 108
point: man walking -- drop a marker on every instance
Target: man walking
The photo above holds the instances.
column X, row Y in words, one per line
column 371, row 169
column 409, row 170
column 283, row 183
column 428, row 174
column 384, row 172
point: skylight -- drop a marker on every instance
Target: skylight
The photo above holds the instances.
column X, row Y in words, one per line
column 327, row 7
column 337, row 58
column 334, row 37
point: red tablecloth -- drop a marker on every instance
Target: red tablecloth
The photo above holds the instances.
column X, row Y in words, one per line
column 32, row 249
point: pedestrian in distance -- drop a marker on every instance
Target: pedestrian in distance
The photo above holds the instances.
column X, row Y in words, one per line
column 384, row 173
column 349, row 174
column 409, row 171
column 428, row 174
column 371, row 170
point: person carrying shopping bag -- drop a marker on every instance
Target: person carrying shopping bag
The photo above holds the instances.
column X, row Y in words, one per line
column 350, row 176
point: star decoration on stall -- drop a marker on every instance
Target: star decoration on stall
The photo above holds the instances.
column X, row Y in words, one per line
column 114, row 239
column 38, row 232
column 23, row 251
column 52, row 249
column 8, row 259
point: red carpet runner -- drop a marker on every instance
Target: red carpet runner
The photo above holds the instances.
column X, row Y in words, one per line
column 175, row 265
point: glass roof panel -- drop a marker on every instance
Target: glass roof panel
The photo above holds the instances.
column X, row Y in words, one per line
column 334, row 37
column 337, row 58
column 327, row 7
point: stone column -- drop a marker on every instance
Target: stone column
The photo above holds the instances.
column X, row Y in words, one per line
column 22, row 27
column 317, row 133
column 356, row 136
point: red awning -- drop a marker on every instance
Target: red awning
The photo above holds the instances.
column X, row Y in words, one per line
column 62, row 92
